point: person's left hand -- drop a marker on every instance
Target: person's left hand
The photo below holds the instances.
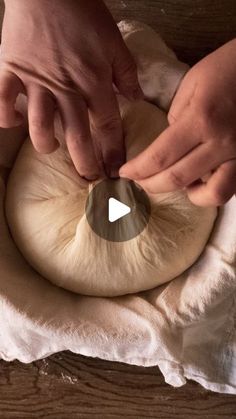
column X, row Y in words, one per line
column 198, row 150
column 66, row 56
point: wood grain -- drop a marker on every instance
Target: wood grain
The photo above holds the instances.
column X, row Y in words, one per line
column 192, row 27
column 67, row 386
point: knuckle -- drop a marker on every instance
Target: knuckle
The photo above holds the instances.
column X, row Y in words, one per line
column 94, row 75
column 159, row 160
column 38, row 125
column 207, row 107
column 76, row 141
column 108, row 125
column 210, row 122
column 209, row 111
column 177, row 179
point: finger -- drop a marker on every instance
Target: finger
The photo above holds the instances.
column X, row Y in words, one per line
column 218, row 190
column 125, row 73
column 74, row 115
column 106, row 128
column 182, row 99
column 175, row 142
column 10, row 87
column 187, row 170
column 41, row 110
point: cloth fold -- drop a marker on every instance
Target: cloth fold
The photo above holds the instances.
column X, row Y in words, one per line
column 185, row 327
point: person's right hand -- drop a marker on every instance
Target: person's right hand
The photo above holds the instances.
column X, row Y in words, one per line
column 65, row 55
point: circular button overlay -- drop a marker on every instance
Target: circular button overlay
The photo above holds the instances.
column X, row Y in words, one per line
column 117, row 210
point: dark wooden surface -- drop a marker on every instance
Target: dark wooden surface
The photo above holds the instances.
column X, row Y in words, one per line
column 192, row 27
column 69, row 386
column 66, row 386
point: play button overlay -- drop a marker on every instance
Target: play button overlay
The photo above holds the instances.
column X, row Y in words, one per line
column 117, row 210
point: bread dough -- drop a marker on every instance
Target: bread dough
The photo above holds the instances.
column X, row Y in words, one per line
column 45, row 210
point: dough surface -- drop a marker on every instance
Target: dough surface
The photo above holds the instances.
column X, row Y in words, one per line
column 45, row 204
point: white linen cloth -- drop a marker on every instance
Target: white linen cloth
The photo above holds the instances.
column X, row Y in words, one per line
column 186, row 327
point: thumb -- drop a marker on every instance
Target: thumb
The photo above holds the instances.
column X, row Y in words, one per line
column 125, row 73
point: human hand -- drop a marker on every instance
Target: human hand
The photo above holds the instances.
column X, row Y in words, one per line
column 198, row 150
column 65, row 55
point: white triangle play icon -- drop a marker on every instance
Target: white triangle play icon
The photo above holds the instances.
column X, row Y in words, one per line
column 117, row 210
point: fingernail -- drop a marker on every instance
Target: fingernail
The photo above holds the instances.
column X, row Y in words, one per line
column 91, row 177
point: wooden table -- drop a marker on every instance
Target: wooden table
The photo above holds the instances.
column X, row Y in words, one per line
column 67, row 386
column 192, row 28
column 70, row 386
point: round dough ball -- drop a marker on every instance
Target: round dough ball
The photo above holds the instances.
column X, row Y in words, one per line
column 45, row 205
